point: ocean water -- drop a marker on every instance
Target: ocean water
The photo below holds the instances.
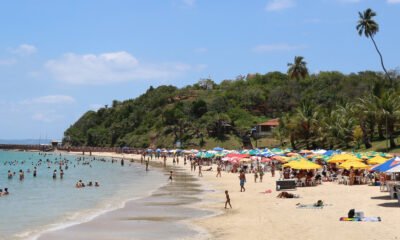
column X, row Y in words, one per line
column 37, row 205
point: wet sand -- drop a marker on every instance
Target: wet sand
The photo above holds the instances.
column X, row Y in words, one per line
column 165, row 214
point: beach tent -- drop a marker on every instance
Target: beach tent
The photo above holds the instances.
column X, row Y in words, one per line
column 377, row 160
column 342, row 158
column 387, row 165
column 355, row 164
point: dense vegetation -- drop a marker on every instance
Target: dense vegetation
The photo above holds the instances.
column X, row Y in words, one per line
column 328, row 109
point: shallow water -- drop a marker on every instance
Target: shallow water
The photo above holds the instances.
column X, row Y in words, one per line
column 39, row 204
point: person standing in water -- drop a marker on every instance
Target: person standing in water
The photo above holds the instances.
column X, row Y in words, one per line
column 21, row 175
column 170, row 176
column 147, row 165
column 61, row 174
column 228, row 199
column 34, row 172
column 122, row 162
column 54, row 174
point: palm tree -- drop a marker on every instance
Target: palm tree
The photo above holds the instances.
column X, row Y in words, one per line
column 298, row 69
column 368, row 27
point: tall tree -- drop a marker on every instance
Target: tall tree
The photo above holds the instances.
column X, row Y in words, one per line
column 298, row 69
column 367, row 26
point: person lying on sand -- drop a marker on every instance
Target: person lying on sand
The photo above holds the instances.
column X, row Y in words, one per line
column 287, row 195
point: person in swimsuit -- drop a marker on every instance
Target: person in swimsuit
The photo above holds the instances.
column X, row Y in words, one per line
column 170, row 176
column 34, row 172
column 242, row 179
column 54, row 174
column 218, row 171
column 228, row 199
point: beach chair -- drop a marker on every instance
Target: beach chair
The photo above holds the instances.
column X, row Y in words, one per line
column 346, row 180
column 398, row 195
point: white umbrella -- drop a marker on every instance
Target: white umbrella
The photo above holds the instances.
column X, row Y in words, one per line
column 394, row 169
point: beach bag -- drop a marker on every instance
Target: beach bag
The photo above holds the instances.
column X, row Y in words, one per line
column 351, row 213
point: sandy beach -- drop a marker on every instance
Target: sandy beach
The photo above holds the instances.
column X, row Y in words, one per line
column 259, row 215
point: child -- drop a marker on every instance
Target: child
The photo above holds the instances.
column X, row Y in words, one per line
column 228, row 200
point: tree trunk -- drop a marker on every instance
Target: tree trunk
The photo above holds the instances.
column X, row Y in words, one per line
column 380, row 55
column 380, row 131
column 365, row 138
column 392, row 144
column 292, row 142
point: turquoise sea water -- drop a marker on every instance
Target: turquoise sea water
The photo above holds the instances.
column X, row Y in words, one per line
column 40, row 204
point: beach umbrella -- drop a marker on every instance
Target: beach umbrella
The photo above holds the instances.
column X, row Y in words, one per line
column 395, row 169
column 254, row 152
column 265, row 160
column 302, row 164
column 377, row 160
column 355, row 164
column 218, row 149
column 387, row 165
column 342, row 158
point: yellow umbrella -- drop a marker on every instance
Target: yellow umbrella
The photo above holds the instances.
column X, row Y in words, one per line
column 355, row 164
column 377, row 160
column 342, row 158
column 302, row 164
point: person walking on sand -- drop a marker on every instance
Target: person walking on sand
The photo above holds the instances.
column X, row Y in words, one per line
column 218, row 171
column 165, row 161
column 242, row 179
column 261, row 175
column 228, row 199
column 273, row 169
column 147, row 165
column 255, row 176
column 200, row 173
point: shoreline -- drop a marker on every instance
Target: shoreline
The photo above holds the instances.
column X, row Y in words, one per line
column 109, row 216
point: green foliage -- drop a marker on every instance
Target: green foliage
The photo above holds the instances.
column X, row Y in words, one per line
column 320, row 110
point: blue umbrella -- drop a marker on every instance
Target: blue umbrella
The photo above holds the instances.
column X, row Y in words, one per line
column 387, row 165
column 218, row 149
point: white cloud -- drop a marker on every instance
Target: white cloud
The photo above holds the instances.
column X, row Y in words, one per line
column 7, row 62
column 46, row 117
column 50, row 99
column 25, row 50
column 108, row 68
column 350, row 1
column 277, row 5
column 201, row 50
column 393, row 1
column 189, row 3
column 281, row 47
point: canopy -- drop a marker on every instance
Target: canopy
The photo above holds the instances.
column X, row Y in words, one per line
column 395, row 169
column 254, row 152
column 355, row 164
column 343, row 157
column 302, row 164
column 377, row 160
column 387, row 165
column 218, row 149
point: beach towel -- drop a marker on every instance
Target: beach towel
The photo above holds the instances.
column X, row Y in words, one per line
column 309, row 206
column 359, row 219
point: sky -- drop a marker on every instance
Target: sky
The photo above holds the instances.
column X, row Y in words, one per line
column 59, row 59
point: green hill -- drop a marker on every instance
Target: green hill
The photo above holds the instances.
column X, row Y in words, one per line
column 322, row 110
